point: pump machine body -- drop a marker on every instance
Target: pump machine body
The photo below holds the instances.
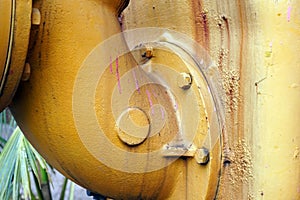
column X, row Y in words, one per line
column 183, row 99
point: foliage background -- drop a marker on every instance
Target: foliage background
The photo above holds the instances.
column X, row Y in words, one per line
column 24, row 174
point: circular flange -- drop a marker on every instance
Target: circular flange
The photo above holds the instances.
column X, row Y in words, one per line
column 13, row 46
column 6, row 9
column 190, row 110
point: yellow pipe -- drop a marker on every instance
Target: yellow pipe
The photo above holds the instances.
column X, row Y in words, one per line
column 277, row 103
column 255, row 45
column 259, row 68
column 44, row 105
column 5, row 17
column 16, row 22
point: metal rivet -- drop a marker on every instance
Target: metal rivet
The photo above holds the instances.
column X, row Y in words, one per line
column 184, row 81
column 148, row 52
column 26, row 72
column 202, row 156
column 36, row 17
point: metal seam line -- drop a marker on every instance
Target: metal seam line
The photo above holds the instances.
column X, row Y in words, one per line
column 8, row 57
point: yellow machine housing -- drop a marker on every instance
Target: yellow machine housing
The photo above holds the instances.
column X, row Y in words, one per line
column 208, row 108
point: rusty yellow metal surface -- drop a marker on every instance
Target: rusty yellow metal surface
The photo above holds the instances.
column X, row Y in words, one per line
column 16, row 49
column 194, row 182
column 255, row 47
column 60, row 48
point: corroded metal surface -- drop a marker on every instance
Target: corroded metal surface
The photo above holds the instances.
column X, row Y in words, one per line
column 70, row 140
column 254, row 46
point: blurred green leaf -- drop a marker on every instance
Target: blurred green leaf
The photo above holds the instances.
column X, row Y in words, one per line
column 17, row 161
column 2, row 142
column 63, row 191
column 72, row 189
column 22, row 167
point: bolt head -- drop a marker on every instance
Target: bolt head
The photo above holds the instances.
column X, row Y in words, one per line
column 26, row 72
column 184, row 81
column 36, row 17
column 202, row 156
column 149, row 52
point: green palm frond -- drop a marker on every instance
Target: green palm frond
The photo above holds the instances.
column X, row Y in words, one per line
column 17, row 160
column 64, row 190
column 22, row 169
column 7, row 125
column 72, row 189
column 2, row 142
column 7, row 119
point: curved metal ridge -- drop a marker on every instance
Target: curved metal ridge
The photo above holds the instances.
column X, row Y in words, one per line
column 122, row 6
column 14, row 54
column 9, row 50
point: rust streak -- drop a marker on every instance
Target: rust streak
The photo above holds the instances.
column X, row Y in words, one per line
column 241, row 90
column 202, row 24
column 242, row 33
column 228, row 35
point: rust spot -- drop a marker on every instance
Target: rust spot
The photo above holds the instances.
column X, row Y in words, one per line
column 231, row 86
column 202, row 23
column 224, row 56
column 227, row 30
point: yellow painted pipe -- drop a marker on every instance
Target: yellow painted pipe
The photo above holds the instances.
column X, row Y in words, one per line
column 277, row 93
column 255, row 45
column 6, row 9
column 59, row 46
column 15, row 29
column 55, row 107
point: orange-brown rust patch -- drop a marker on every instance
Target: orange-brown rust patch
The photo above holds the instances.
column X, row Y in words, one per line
column 239, row 171
column 202, row 23
column 231, row 86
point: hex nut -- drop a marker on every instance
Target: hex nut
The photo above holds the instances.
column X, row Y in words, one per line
column 202, row 156
column 184, row 81
column 148, row 52
column 36, row 17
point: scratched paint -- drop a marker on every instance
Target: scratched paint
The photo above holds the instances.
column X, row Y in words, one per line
column 162, row 113
column 176, row 106
column 137, row 87
column 289, row 13
column 118, row 75
column 154, row 94
column 150, row 101
column 111, row 65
